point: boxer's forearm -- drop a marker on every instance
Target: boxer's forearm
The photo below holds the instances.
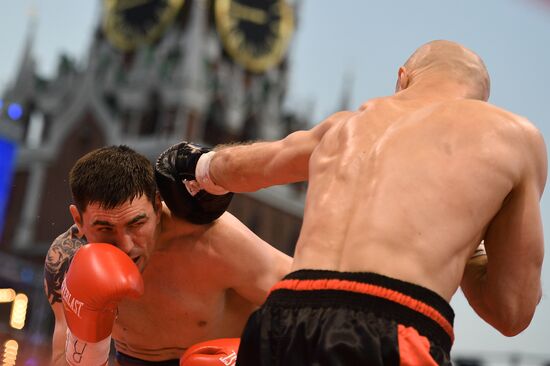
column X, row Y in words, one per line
column 503, row 308
column 59, row 337
column 473, row 282
column 241, row 168
column 474, row 286
column 248, row 168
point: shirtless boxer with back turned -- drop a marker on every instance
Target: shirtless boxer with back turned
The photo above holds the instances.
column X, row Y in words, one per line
column 401, row 192
column 202, row 276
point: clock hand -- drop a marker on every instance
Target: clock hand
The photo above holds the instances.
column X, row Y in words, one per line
column 248, row 13
column 129, row 4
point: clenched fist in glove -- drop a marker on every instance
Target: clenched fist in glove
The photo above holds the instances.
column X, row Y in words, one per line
column 175, row 173
column 99, row 277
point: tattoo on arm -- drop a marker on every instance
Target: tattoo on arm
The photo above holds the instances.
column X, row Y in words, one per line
column 57, row 263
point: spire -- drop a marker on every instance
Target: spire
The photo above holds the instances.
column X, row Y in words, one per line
column 24, row 81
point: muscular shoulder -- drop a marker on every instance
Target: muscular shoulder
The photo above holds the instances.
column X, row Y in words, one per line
column 536, row 151
column 520, row 130
column 332, row 122
column 492, row 117
column 520, row 135
column 58, row 260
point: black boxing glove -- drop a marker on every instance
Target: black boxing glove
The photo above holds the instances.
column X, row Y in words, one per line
column 176, row 181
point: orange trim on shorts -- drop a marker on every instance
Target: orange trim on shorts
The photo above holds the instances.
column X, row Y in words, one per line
column 368, row 289
column 414, row 349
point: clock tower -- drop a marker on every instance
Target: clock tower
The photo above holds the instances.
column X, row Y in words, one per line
column 157, row 72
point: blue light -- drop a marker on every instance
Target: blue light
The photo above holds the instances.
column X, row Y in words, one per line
column 7, row 165
column 15, row 111
column 1, row 103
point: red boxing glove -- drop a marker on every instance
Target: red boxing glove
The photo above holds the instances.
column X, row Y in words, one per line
column 217, row 352
column 99, row 277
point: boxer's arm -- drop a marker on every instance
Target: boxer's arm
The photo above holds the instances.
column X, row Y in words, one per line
column 246, row 168
column 504, row 287
column 59, row 336
column 250, row 265
column 56, row 264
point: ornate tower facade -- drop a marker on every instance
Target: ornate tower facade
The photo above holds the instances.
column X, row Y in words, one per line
column 157, row 72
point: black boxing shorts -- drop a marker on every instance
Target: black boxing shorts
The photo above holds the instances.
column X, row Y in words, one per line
column 315, row 317
column 125, row 360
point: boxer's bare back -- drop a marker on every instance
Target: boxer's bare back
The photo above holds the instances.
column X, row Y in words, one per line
column 408, row 189
column 408, row 186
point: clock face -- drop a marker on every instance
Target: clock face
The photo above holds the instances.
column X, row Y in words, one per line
column 130, row 23
column 255, row 33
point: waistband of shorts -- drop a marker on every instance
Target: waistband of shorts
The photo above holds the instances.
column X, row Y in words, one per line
column 404, row 302
column 124, row 360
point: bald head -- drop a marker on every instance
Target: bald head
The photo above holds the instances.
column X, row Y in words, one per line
column 451, row 61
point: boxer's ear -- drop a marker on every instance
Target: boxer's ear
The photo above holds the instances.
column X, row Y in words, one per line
column 402, row 79
column 77, row 217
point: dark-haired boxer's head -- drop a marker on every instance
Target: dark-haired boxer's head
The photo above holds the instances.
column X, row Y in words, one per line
column 110, row 176
column 116, row 201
